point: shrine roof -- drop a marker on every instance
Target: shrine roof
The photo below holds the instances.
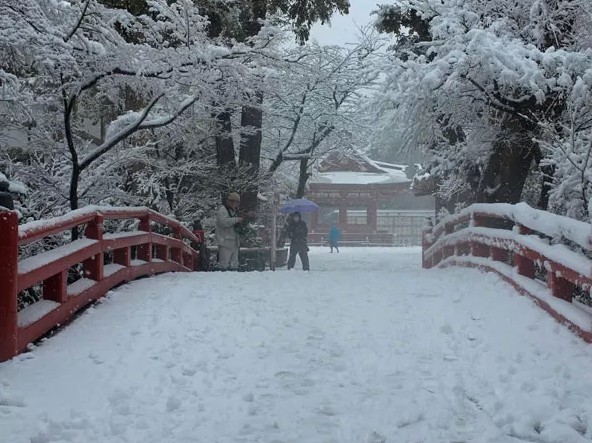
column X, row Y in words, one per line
column 360, row 178
column 355, row 168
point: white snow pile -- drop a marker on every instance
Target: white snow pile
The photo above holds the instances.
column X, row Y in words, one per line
column 15, row 187
column 367, row 347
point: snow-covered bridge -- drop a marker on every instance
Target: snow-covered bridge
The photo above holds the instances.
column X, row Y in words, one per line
column 367, row 347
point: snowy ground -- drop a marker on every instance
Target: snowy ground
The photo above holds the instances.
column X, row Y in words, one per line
column 366, row 348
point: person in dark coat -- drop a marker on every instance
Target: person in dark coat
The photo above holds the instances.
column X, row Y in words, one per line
column 297, row 231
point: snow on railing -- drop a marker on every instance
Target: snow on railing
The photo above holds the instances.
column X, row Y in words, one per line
column 105, row 259
column 543, row 255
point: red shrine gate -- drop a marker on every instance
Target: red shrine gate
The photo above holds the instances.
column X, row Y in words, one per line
column 349, row 183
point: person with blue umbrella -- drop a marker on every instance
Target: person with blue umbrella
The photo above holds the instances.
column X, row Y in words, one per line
column 301, row 205
column 297, row 231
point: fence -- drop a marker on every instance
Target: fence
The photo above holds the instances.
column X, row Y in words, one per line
column 543, row 255
column 406, row 226
column 107, row 259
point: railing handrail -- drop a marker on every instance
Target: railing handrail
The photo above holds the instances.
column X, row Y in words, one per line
column 555, row 225
column 36, row 230
column 512, row 240
column 155, row 253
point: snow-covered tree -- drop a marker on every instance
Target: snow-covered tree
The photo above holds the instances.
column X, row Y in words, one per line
column 475, row 83
column 314, row 101
column 242, row 21
column 82, row 79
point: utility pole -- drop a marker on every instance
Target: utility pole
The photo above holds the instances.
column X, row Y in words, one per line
column 273, row 251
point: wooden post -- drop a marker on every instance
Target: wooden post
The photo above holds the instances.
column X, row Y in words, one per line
column 560, row 287
column 56, row 288
column 144, row 252
column 343, row 217
column 8, row 284
column 372, row 215
column 161, row 252
column 524, row 265
column 314, row 221
column 273, row 246
column 176, row 254
column 478, row 220
column 425, row 244
column 462, row 248
column 188, row 261
column 449, row 250
column 93, row 267
column 123, row 256
column 478, row 249
column 498, row 254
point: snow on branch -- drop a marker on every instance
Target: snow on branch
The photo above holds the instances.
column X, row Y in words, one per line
column 137, row 124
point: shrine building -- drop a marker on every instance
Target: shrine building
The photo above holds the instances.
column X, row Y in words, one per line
column 351, row 189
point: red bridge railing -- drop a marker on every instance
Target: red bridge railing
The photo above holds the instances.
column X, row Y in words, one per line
column 106, row 260
column 543, row 255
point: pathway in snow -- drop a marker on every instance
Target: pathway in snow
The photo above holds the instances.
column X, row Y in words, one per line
column 366, row 348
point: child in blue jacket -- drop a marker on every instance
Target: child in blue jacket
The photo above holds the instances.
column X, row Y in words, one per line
column 334, row 237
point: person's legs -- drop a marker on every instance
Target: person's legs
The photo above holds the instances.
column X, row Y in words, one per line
column 304, row 258
column 233, row 261
column 292, row 257
column 336, row 247
column 331, row 246
column 224, row 255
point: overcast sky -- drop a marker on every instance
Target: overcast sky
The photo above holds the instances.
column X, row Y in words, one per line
column 343, row 29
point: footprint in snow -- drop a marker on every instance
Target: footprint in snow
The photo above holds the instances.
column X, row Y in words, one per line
column 376, row 437
column 11, row 402
column 96, row 359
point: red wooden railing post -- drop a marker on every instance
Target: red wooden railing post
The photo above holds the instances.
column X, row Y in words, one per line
column 56, row 288
column 188, row 261
column 560, row 287
column 93, row 267
column 145, row 251
column 462, row 248
column 449, row 250
column 161, row 252
column 524, row 265
column 498, row 254
column 8, row 284
column 123, row 256
column 478, row 249
column 176, row 253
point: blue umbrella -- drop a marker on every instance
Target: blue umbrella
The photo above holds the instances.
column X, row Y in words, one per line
column 299, row 205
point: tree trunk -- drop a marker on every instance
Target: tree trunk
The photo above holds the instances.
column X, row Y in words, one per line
column 252, row 120
column 258, row 12
column 303, row 177
column 74, row 182
column 250, row 152
column 225, row 158
column 548, row 172
column 508, row 166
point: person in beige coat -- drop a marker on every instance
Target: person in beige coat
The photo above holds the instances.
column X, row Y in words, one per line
column 227, row 238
